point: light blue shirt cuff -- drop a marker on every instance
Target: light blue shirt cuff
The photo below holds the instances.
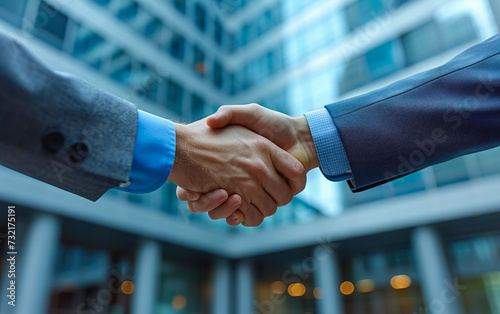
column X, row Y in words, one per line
column 331, row 151
column 154, row 154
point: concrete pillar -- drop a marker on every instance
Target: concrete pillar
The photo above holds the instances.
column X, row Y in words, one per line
column 244, row 287
column 36, row 266
column 495, row 9
column 147, row 271
column 327, row 278
column 221, row 287
column 440, row 293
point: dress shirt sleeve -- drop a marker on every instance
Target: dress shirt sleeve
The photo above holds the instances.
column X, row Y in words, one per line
column 154, row 154
column 331, row 152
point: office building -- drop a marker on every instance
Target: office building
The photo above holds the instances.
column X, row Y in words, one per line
column 427, row 243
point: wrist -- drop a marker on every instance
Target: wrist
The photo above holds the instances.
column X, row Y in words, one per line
column 181, row 150
column 306, row 140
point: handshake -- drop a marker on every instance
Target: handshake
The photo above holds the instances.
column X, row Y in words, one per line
column 242, row 163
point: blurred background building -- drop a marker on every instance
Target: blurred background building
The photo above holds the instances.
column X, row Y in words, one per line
column 427, row 243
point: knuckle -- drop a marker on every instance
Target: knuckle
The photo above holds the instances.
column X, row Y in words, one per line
column 259, row 168
column 254, row 106
column 260, row 143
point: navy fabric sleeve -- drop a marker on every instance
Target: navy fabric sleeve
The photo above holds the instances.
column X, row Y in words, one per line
column 423, row 120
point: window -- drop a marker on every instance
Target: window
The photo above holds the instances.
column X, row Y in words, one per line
column 414, row 49
column 451, row 172
column 217, row 74
column 355, row 75
column 488, row 161
column 197, row 107
column 128, row 11
column 180, row 5
column 476, row 266
column 384, row 60
column 86, row 42
column 177, row 46
column 174, row 97
column 200, row 15
column 363, row 11
column 12, row 11
column 180, row 289
column 199, row 61
column 458, row 30
column 145, row 83
column 409, row 184
column 120, row 67
column 50, row 25
column 152, row 28
column 102, row 2
column 217, row 32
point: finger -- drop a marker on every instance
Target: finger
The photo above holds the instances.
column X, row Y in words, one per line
column 235, row 218
column 185, row 195
column 299, row 184
column 227, row 208
column 290, row 168
column 208, row 201
column 253, row 217
column 244, row 115
column 266, row 204
column 276, row 188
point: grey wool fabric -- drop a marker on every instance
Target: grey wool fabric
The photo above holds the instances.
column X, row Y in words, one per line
column 60, row 129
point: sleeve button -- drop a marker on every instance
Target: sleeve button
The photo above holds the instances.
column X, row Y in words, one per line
column 53, row 141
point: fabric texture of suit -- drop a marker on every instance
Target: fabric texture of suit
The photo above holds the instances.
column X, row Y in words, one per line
column 60, row 129
column 423, row 120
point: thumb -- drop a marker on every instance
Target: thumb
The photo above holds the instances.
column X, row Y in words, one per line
column 219, row 119
column 244, row 115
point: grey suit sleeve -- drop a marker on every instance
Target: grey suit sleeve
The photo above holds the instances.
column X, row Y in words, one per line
column 60, row 129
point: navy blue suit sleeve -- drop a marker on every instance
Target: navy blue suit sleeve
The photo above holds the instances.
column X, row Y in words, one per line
column 423, row 120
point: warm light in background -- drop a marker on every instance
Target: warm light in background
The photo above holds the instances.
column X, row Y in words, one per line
column 400, row 282
column 317, row 293
column 365, row 285
column 179, row 302
column 128, row 287
column 200, row 67
column 296, row 290
column 347, row 288
column 278, row 287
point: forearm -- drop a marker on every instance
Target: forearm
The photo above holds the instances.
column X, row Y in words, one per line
column 423, row 120
column 60, row 129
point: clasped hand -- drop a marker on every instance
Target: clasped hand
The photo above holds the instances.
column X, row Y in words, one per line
column 242, row 163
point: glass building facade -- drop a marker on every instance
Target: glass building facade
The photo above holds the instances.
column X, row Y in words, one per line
column 427, row 243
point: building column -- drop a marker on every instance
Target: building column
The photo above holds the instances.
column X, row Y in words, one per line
column 495, row 9
column 37, row 264
column 221, row 287
column 244, row 287
column 147, row 271
column 327, row 278
column 440, row 293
